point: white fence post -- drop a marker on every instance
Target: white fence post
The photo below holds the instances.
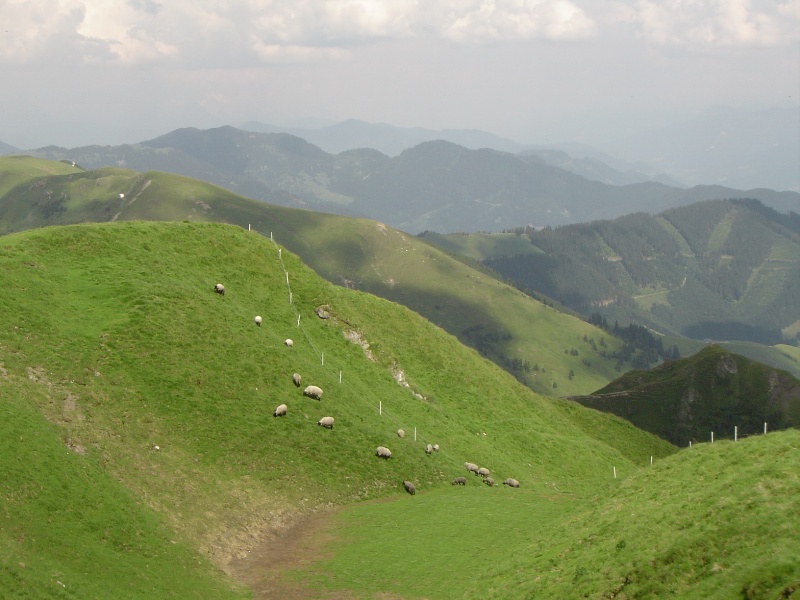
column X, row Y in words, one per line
column 765, row 428
column 298, row 320
column 651, row 460
column 615, row 472
column 712, row 437
column 735, row 433
column 380, row 407
column 322, row 358
column 415, row 434
column 340, row 377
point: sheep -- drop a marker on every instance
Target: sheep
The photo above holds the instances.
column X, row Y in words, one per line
column 483, row 472
column 510, row 482
column 383, row 452
column 313, row 391
column 280, row 411
column 409, row 487
column 428, row 449
column 471, row 467
column 289, row 343
column 401, row 433
column 326, row 422
column 436, row 447
column 219, row 288
column 489, row 481
column 459, row 481
column 296, row 379
column 257, row 320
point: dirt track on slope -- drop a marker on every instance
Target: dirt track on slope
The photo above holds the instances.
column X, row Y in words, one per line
column 298, row 545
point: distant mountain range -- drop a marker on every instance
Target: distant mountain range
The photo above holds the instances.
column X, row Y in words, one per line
column 721, row 269
column 6, row 149
column 715, row 390
column 438, row 185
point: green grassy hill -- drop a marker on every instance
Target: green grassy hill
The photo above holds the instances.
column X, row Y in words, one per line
column 131, row 388
column 549, row 351
column 713, row 391
column 141, row 458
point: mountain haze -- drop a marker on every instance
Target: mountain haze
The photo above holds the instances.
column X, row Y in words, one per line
column 436, row 185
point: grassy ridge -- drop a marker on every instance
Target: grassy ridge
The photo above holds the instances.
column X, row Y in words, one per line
column 525, row 337
column 717, row 521
column 114, row 333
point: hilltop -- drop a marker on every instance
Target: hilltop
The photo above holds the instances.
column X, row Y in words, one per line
column 125, row 371
column 548, row 350
column 435, row 185
column 685, row 400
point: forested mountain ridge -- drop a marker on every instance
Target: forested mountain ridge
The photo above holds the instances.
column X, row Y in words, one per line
column 722, row 269
column 715, row 390
column 436, row 185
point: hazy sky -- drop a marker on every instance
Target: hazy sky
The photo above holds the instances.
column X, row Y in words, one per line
column 100, row 71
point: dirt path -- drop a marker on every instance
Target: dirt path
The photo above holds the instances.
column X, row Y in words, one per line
column 299, row 545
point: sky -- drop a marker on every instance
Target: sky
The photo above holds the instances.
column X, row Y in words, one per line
column 78, row 72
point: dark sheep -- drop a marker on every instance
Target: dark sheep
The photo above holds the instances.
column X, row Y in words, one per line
column 459, row 481
column 280, row 411
column 510, row 482
column 471, row 467
column 409, row 487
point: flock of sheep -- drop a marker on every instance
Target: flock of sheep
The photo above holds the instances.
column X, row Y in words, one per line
column 315, row 392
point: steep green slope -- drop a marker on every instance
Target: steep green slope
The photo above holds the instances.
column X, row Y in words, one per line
column 545, row 349
column 715, row 521
column 713, row 391
column 114, row 333
column 724, row 269
column 15, row 170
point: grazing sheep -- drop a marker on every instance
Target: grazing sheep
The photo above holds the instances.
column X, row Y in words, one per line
column 489, row 481
column 409, row 487
column 257, row 320
column 289, row 343
column 382, row 452
column 483, row 472
column 428, row 449
column 296, row 378
column 280, row 411
column 313, row 391
column 436, row 447
column 219, row 288
column 459, row 481
column 511, row 482
column 401, row 433
column 326, row 422
column 471, row 467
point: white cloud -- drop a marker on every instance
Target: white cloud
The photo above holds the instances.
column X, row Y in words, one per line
column 246, row 32
column 722, row 23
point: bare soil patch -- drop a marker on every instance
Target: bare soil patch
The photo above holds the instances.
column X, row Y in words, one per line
column 299, row 545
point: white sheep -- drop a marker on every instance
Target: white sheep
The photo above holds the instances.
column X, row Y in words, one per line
column 296, row 379
column 483, row 472
column 326, row 422
column 471, row 467
column 401, row 433
column 383, row 452
column 280, row 411
column 289, row 343
column 257, row 320
column 428, row 449
column 510, row 482
column 219, row 288
column 436, row 447
column 313, row 391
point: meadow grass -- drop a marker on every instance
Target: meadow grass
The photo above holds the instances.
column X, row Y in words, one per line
column 714, row 521
column 117, row 338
